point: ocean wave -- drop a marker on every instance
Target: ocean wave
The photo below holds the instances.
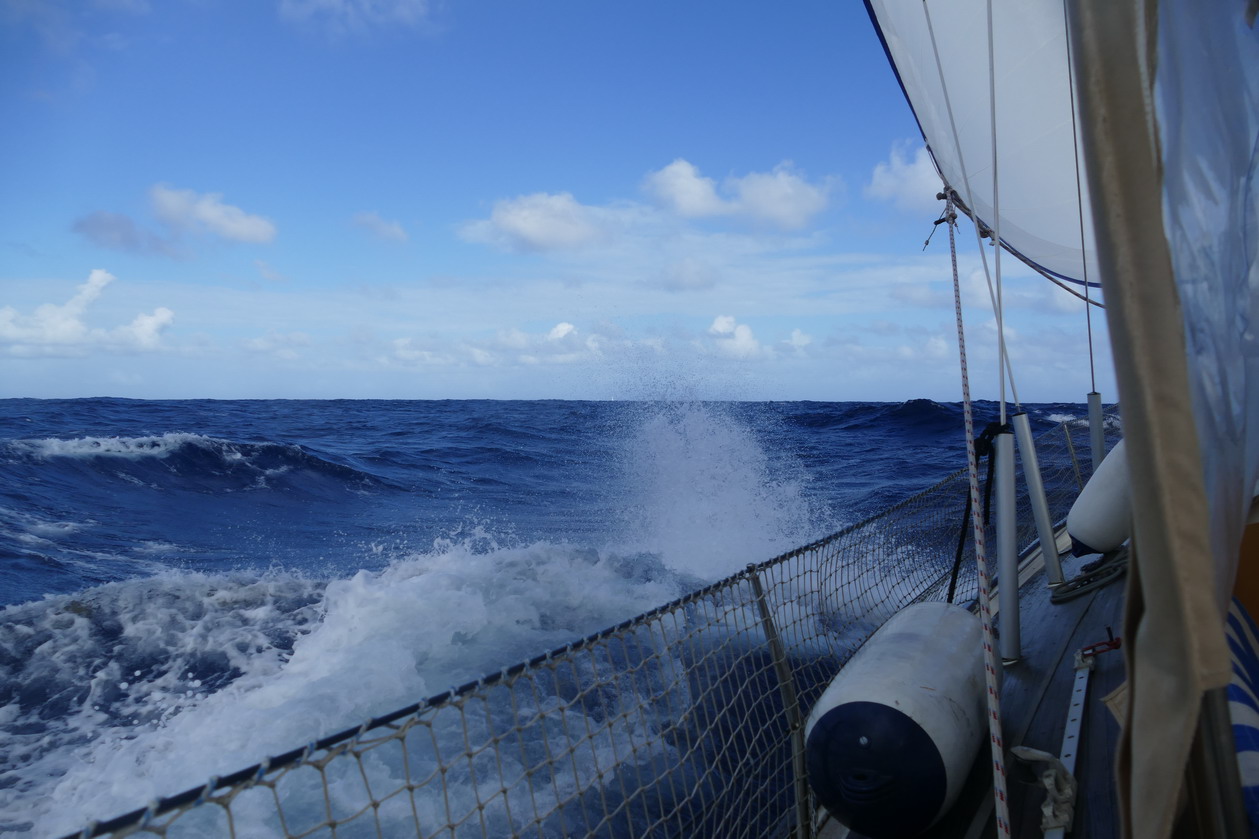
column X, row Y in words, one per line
column 130, row 447
column 204, row 463
column 167, row 680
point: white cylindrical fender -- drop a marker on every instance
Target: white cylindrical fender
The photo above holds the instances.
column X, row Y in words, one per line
column 890, row 741
column 1101, row 518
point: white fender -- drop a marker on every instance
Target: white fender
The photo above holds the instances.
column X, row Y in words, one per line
column 891, row 740
column 1101, row 518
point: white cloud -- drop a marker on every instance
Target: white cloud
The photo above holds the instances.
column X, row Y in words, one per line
column 145, row 332
column 179, row 210
column 561, row 331
column 735, row 340
column 911, row 184
column 781, row 198
column 184, row 209
column 341, row 17
column 390, row 231
column 679, row 187
column 799, row 340
column 60, row 329
column 538, row 222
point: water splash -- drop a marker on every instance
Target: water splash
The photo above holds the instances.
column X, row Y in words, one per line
column 706, row 495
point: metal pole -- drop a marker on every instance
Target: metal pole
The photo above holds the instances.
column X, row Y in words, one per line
column 1007, row 552
column 1096, row 434
column 787, row 687
column 1036, row 493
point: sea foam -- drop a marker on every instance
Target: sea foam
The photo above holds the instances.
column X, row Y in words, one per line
column 130, row 447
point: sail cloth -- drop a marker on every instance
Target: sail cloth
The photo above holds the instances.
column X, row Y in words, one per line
column 1041, row 208
column 1206, row 96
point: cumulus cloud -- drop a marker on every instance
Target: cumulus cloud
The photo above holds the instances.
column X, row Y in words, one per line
column 798, row 340
column 681, row 188
column 390, row 231
column 539, row 222
column 735, row 340
column 781, row 198
column 561, row 331
column 61, row 330
column 342, row 17
column 184, row 209
column 907, row 179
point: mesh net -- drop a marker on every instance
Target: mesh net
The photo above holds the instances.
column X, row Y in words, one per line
column 678, row 723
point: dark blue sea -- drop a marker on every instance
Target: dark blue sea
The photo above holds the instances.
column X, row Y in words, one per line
column 188, row 586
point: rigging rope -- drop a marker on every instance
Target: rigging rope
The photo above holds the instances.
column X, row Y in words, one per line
column 996, row 210
column 1079, row 197
column 981, row 560
column 970, row 202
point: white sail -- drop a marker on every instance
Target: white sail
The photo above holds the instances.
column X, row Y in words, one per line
column 1045, row 219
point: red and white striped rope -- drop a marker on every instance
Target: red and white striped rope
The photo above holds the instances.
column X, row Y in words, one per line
column 981, row 558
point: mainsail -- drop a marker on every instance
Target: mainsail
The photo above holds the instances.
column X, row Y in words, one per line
column 941, row 56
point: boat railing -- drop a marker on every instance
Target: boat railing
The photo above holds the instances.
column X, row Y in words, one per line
column 681, row 722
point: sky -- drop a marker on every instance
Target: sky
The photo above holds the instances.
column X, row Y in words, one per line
column 485, row 199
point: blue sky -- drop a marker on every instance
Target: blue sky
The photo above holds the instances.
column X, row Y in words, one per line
column 467, row 199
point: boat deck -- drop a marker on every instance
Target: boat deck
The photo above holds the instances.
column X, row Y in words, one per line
column 1038, row 693
column 1035, row 696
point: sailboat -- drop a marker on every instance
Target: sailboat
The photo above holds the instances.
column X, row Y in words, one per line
column 1107, row 144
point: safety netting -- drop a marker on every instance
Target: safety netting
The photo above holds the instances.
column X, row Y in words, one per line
column 686, row 721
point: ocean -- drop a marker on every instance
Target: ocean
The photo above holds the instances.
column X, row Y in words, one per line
column 189, row 586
